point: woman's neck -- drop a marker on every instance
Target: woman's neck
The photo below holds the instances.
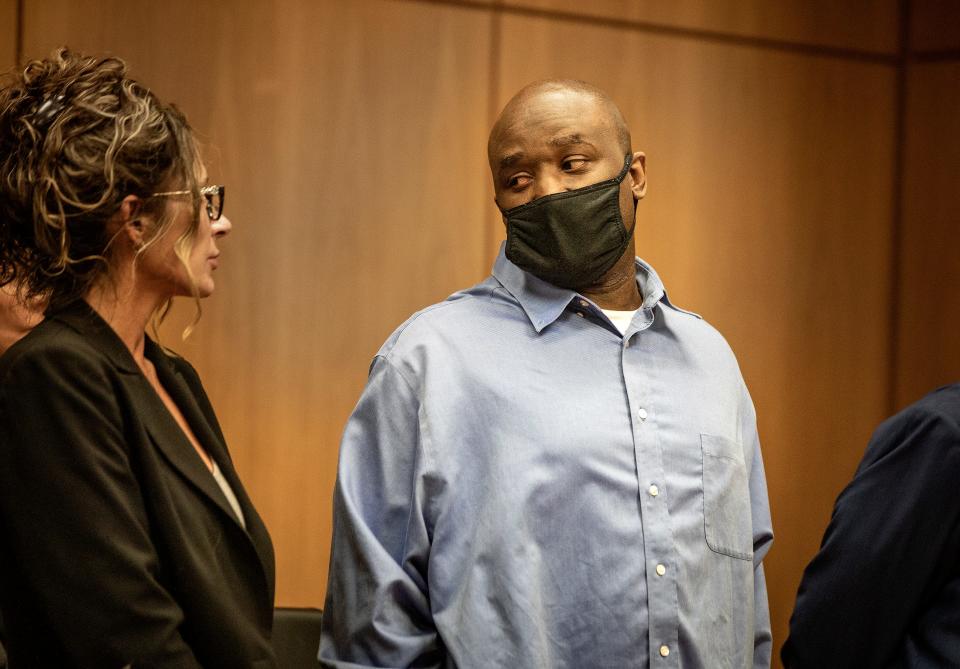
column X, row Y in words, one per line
column 127, row 310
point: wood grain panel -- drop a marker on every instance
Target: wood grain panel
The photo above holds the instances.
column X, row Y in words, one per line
column 769, row 212
column 929, row 295
column 351, row 138
column 869, row 25
column 934, row 25
column 8, row 33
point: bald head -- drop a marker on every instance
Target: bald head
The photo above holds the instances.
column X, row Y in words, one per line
column 557, row 94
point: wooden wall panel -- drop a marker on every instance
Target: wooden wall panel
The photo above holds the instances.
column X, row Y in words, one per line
column 868, row 25
column 929, row 295
column 769, row 212
column 351, row 137
column 8, row 33
column 934, row 25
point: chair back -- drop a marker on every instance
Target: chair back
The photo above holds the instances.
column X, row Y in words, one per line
column 296, row 637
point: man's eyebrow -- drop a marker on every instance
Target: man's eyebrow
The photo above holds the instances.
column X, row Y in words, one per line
column 560, row 141
column 511, row 159
column 568, row 140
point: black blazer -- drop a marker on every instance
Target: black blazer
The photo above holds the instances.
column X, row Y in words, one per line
column 116, row 544
column 884, row 590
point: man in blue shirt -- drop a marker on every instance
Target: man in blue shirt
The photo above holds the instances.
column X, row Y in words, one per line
column 556, row 467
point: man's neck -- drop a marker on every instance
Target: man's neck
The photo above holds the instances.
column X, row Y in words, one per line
column 617, row 290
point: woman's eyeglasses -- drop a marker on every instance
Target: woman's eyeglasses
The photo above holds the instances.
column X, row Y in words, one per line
column 212, row 194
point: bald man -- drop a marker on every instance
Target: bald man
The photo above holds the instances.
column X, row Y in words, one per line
column 557, row 467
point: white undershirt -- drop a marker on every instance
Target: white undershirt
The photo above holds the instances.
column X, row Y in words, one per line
column 621, row 319
column 228, row 493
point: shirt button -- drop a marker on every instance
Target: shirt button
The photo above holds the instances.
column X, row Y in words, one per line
column 664, row 651
column 580, row 314
column 653, row 490
column 583, row 303
column 643, row 414
column 661, row 570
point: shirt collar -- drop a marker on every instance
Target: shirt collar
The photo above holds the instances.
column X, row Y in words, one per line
column 543, row 302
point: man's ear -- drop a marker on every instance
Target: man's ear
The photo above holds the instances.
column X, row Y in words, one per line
column 129, row 220
column 638, row 175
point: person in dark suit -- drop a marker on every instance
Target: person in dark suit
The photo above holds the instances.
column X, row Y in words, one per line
column 126, row 537
column 884, row 590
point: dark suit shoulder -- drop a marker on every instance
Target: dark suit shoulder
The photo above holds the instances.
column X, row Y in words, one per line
column 928, row 427
column 944, row 404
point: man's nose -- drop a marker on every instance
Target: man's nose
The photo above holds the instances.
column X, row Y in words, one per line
column 547, row 184
column 222, row 226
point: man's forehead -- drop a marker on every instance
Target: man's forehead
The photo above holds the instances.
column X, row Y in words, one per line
column 544, row 134
column 549, row 118
column 511, row 149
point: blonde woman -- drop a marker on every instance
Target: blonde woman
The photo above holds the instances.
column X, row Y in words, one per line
column 126, row 537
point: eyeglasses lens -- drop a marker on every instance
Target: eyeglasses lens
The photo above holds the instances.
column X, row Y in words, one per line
column 214, row 197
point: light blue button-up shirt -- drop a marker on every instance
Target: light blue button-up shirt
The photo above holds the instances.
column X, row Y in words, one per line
column 522, row 486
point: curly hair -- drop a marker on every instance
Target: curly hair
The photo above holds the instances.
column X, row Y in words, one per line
column 77, row 135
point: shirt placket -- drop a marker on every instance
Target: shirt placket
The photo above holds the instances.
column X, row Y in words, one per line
column 659, row 553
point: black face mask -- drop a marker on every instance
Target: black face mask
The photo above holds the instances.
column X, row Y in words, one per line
column 570, row 239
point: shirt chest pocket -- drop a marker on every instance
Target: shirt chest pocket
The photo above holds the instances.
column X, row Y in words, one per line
column 727, row 521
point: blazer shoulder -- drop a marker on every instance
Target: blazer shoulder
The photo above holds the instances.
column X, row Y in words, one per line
column 53, row 345
column 928, row 428
column 941, row 407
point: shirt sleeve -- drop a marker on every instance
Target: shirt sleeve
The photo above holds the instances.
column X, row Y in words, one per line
column 892, row 538
column 377, row 612
column 74, row 523
column 762, row 535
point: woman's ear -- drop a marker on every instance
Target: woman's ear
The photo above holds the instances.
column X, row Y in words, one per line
column 129, row 220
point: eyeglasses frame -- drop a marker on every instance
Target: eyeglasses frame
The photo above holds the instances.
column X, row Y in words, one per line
column 207, row 192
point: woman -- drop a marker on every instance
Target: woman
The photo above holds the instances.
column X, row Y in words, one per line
column 126, row 537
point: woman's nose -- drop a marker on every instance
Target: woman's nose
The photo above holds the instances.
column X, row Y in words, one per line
column 222, row 226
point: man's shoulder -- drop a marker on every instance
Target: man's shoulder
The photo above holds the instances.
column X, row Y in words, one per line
column 944, row 400
column 464, row 310
column 942, row 406
column 695, row 330
column 929, row 426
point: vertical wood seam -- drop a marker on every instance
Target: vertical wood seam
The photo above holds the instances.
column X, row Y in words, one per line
column 493, row 97
column 18, row 36
column 896, row 293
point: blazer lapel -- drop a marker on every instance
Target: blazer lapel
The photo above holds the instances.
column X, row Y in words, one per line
column 207, row 433
column 173, row 443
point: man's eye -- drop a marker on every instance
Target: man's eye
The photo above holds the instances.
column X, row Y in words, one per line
column 573, row 164
column 518, row 181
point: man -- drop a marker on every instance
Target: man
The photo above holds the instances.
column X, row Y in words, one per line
column 884, row 590
column 556, row 467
